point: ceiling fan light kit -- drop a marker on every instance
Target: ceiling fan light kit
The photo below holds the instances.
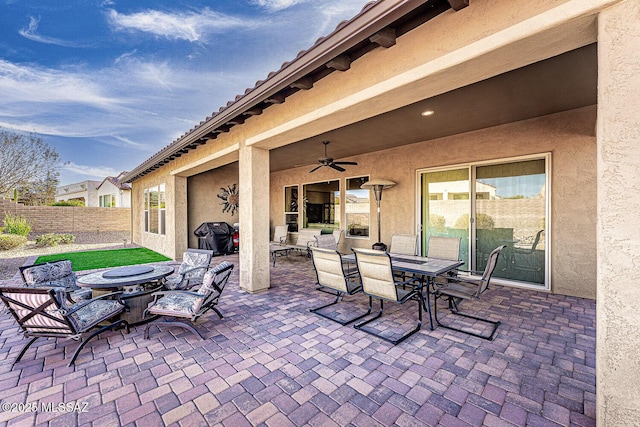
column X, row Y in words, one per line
column 328, row 161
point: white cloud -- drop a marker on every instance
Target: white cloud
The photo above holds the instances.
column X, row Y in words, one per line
column 155, row 103
column 88, row 172
column 190, row 26
column 31, row 84
column 276, row 5
column 31, row 33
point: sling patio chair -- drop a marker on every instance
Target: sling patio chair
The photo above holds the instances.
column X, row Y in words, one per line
column 190, row 305
column 190, row 273
column 443, row 247
column 333, row 279
column 378, row 282
column 468, row 288
column 50, row 313
column 403, row 244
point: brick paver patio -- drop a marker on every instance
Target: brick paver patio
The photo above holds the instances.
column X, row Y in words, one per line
column 272, row 362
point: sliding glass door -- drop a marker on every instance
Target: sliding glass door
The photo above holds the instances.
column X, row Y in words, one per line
column 489, row 205
column 445, row 208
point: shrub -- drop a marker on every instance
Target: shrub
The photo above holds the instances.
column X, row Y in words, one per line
column 68, row 203
column 483, row 221
column 52, row 239
column 65, row 239
column 11, row 241
column 16, row 224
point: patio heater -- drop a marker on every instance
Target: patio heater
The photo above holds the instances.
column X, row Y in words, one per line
column 377, row 185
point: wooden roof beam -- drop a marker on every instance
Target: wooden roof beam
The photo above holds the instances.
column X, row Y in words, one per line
column 340, row 63
column 458, row 4
column 304, row 83
column 385, row 37
column 277, row 98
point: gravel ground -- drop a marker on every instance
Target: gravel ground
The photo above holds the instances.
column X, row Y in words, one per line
column 12, row 259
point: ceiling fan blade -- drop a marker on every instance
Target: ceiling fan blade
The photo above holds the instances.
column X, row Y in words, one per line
column 315, row 169
column 345, row 163
column 338, row 168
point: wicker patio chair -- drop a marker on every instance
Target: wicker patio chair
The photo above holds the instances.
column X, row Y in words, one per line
column 50, row 313
column 190, row 305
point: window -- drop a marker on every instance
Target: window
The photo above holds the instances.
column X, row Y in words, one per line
column 291, row 207
column 321, row 205
column 107, row 201
column 357, row 207
column 154, row 210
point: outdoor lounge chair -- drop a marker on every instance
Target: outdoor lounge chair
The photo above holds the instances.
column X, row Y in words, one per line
column 190, row 305
column 54, row 274
column 195, row 263
column 468, row 288
column 280, row 235
column 42, row 312
column 378, row 282
column 333, row 279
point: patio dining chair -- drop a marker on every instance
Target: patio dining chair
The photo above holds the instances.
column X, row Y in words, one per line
column 50, row 313
column 468, row 288
column 195, row 263
column 378, row 282
column 57, row 273
column 190, row 305
column 404, row 244
column 333, row 279
column 443, row 247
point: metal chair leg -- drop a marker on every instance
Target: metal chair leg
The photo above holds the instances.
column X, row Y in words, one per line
column 453, row 307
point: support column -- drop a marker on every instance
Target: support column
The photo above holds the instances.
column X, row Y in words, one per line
column 180, row 215
column 254, row 218
column 618, row 203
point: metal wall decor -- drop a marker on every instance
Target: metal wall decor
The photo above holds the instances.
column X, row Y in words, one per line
column 230, row 198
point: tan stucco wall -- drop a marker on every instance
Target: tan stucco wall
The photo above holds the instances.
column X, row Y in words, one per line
column 204, row 205
column 174, row 242
column 618, row 317
column 568, row 136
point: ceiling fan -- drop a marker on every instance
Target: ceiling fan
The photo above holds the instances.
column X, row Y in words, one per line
column 328, row 161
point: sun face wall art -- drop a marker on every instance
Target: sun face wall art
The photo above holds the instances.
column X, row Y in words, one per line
column 230, row 198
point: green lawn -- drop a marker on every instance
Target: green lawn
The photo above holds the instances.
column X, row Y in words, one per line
column 90, row 260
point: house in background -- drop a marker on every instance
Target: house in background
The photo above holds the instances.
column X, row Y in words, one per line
column 85, row 191
column 111, row 192
column 538, row 100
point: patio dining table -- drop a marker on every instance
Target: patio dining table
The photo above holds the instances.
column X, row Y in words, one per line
column 425, row 268
column 136, row 282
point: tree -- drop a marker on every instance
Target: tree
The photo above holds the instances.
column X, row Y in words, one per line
column 29, row 165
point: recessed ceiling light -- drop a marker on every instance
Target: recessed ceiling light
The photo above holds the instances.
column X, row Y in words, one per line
column 428, row 113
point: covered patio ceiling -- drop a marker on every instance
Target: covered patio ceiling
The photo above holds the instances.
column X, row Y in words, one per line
column 560, row 83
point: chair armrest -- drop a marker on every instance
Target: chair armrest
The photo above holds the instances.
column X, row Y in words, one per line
column 79, row 305
column 163, row 293
column 407, row 282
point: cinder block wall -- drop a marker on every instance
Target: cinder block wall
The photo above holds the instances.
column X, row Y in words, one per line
column 69, row 219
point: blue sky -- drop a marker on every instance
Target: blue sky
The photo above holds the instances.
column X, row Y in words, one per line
column 108, row 83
